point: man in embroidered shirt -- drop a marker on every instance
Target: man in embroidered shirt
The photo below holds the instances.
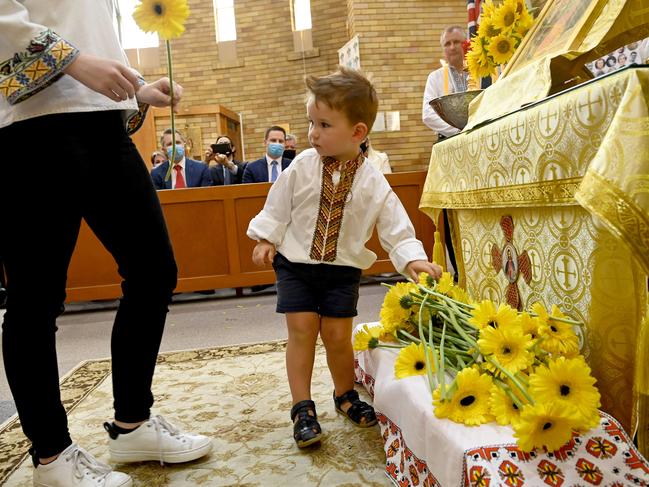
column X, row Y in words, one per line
column 313, row 228
column 450, row 78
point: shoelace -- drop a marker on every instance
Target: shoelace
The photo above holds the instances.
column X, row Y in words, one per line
column 82, row 459
column 160, row 424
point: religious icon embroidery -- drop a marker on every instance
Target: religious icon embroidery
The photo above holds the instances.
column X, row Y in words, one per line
column 511, row 263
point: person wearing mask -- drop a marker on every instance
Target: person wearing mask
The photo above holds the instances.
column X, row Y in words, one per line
column 450, row 78
column 268, row 168
column 290, row 148
column 224, row 169
column 185, row 172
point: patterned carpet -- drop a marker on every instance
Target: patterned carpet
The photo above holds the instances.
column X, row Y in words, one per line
column 237, row 395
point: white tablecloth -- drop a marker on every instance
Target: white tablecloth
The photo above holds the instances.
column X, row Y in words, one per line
column 424, row 450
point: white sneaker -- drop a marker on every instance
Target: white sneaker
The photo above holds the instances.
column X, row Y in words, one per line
column 76, row 467
column 158, row 440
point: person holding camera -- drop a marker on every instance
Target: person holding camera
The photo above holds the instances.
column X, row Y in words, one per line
column 224, row 169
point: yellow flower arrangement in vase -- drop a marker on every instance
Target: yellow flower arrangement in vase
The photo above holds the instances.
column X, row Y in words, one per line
column 166, row 18
column 486, row 361
column 502, row 28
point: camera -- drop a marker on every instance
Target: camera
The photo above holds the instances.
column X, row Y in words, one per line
column 224, row 149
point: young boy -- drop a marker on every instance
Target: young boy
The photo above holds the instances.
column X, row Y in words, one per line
column 317, row 219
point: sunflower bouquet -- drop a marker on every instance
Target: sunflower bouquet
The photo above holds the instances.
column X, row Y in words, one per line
column 488, row 362
column 502, row 28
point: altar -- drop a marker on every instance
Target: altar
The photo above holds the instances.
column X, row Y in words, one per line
column 550, row 203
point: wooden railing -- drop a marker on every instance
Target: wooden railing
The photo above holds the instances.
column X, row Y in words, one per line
column 208, row 232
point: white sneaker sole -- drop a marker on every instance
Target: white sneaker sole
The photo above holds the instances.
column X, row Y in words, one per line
column 145, row 456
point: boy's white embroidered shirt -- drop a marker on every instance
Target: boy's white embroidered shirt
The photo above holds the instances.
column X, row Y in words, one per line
column 289, row 217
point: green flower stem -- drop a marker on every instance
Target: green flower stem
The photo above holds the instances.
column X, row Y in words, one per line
column 510, row 393
column 556, row 318
column 429, row 371
column 441, row 377
column 382, row 345
column 173, row 122
column 459, row 329
column 522, row 379
column 509, row 375
column 411, row 337
column 444, row 296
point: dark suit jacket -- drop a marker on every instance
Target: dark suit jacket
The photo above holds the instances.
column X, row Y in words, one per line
column 257, row 171
column 216, row 173
column 196, row 174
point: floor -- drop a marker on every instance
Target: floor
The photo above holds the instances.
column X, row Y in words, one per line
column 194, row 321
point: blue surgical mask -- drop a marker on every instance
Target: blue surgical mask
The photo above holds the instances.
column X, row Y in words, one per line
column 275, row 150
column 180, row 152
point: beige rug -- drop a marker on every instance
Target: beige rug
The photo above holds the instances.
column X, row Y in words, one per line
column 237, row 395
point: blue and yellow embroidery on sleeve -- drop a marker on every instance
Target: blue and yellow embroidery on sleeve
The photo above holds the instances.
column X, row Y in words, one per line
column 40, row 65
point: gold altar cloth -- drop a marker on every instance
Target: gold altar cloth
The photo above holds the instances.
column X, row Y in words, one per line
column 573, row 173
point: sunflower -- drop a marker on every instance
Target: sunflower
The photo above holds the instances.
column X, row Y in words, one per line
column 488, row 10
column 487, row 29
column 367, row 337
column 501, row 48
column 505, row 16
column 568, row 382
column 412, row 361
column 503, row 407
column 524, row 23
column 470, row 402
column 485, row 314
column 558, row 337
column 166, row 17
column 397, row 305
column 508, row 346
column 545, row 425
column 479, row 65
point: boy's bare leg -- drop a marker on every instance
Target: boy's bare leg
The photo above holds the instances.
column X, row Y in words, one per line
column 303, row 329
column 336, row 335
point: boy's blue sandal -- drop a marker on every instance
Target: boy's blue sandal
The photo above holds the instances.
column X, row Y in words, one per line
column 358, row 410
column 306, row 430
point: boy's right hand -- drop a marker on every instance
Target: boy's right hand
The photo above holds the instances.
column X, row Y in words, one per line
column 263, row 253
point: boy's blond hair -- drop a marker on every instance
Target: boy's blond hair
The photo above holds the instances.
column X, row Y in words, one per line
column 347, row 91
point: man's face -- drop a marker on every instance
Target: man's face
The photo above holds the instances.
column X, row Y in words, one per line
column 275, row 136
column 290, row 144
column 166, row 141
column 452, row 45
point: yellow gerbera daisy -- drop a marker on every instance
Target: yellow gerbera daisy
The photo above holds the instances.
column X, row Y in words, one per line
column 459, row 294
column 503, row 407
column 367, row 337
column 501, row 48
column 508, row 346
column 505, row 16
column 445, row 283
column 558, row 337
column 568, row 382
column 524, row 23
column 485, row 314
column 166, row 17
column 426, row 280
column 412, row 361
column 529, row 325
column 397, row 305
column 487, row 29
column 542, row 313
column 470, row 402
column 545, row 425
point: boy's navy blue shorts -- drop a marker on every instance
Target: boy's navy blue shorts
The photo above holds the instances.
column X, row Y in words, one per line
column 329, row 290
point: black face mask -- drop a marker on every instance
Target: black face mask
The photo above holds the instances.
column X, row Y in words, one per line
column 363, row 147
column 289, row 154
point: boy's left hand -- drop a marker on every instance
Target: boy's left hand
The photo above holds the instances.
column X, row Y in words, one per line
column 415, row 267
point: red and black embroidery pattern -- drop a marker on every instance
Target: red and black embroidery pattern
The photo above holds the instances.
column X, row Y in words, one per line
column 332, row 206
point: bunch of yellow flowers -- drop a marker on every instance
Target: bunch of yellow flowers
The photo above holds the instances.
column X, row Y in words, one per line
column 501, row 31
column 487, row 362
